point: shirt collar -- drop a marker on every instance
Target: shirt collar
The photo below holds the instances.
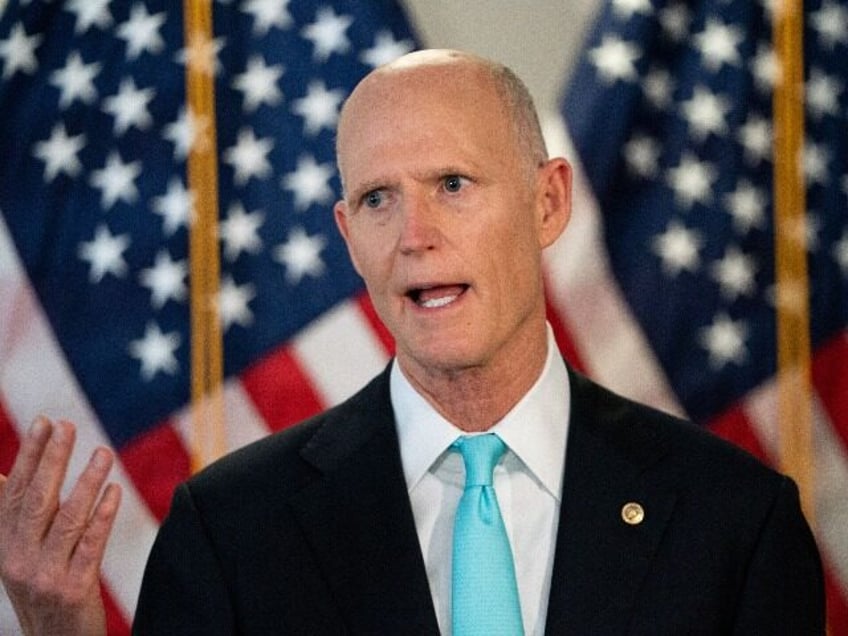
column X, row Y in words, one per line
column 535, row 429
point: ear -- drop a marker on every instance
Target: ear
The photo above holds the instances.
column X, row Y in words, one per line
column 553, row 200
column 340, row 212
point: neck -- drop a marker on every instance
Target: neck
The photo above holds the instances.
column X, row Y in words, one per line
column 475, row 398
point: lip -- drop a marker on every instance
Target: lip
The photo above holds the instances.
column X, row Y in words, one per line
column 435, row 296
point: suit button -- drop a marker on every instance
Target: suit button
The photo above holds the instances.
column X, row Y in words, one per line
column 632, row 513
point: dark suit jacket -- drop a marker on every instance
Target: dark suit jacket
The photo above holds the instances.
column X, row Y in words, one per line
column 310, row 531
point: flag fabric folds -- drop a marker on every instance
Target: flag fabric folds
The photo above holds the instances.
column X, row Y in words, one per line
column 670, row 113
column 94, row 217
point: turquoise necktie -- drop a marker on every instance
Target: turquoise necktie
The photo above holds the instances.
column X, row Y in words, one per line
column 484, row 592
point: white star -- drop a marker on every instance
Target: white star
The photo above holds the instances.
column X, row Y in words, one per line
column 105, row 254
column 165, row 280
column 320, row 107
column 678, row 248
column 240, row 231
column 201, row 54
column 692, row 181
column 301, row 255
column 814, row 162
column 155, row 351
column 129, row 106
column 822, row 93
column 659, row 88
column 766, row 69
column 831, row 23
column 719, row 44
column 309, row 183
column 755, row 135
column 90, row 12
column 615, row 59
column 725, row 341
column 59, row 153
column 840, row 253
column 249, row 156
column 76, row 80
column 141, row 32
column 233, row 301
column 176, row 207
column 735, row 274
column 267, row 14
column 626, row 9
column 327, row 34
column 116, row 180
column 747, row 206
column 706, row 113
column 675, row 21
column 187, row 132
column 385, row 49
column 259, row 84
column 18, row 52
column 642, row 154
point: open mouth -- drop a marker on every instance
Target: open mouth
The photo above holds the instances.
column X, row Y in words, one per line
column 436, row 296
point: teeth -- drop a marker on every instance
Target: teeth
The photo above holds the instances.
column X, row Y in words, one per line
column 439, row 302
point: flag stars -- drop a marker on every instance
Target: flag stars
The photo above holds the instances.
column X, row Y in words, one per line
column 840, row 253
column 18, row 52
column 186, row 132
column 249, row 156
column 386, row 49
column 327, row 34
column 175, row 207
column 692, row 181
column 756, row 136
column 814, row 163
column 626, row 9
column 615, row 59
column 765, row 67
column 830, row 23
column 129, row 106
column 319, row 108
column 822, row 94
column 309, row 183
column 735, row 273
column 706, row 113
column 240, row 231
column 675, row 20
column 166, row 280
column 75, row 80
column 155, row 351
column 658, row 88
column 104, row 254
column 678, row 249
column 746, row 205
column 141, row 32
column 259, row 84
column 59, row 153
column 719, row 45
column 301, row 255
column 233, row 304
column 90, row 13
column 724, row 340
column 642, row 154
column 268, row 14
column 116, row 181
column 201, row 54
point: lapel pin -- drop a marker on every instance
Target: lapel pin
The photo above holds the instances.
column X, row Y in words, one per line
column 632, row 513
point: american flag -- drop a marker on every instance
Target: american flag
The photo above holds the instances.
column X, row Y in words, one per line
column 94, row 217
column 670, row 114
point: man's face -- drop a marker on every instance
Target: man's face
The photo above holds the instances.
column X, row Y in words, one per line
column 442, row 217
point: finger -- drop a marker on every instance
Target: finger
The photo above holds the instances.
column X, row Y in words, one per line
column 41, row 498
column 25, row 465
column 72, row 517
column 88, row 555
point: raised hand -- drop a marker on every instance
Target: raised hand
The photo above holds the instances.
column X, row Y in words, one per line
column 51, row 550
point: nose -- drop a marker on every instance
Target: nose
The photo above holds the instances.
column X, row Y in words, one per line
column 420, row 229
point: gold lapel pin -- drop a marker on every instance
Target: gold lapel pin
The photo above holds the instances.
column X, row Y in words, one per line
column 632, row 513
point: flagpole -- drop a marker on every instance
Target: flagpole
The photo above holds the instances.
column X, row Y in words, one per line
column 207, row 408
column 792, row 281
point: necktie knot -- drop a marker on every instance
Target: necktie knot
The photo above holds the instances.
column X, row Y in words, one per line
column 481, row 454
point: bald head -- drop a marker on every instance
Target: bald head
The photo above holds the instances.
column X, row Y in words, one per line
column 438, row 69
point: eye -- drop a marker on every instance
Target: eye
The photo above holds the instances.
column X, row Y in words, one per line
column 373, row 199
column 453, row 183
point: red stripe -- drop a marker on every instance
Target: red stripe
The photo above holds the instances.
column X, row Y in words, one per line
column 734, row 426
column 382, row 333
column 831, row 383
column 157, row 462
column 281, row 390
column 563, row 338
column 837, row 605
column 116, row 624
column 9, row 442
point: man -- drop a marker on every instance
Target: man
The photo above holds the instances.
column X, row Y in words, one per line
column 620, row 519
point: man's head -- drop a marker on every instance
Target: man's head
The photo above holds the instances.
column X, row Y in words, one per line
column 449, row 201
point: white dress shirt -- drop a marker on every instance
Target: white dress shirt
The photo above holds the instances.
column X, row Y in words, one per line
column 528, row 483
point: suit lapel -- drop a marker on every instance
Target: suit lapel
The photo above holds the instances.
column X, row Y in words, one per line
column 358, row 519
column 600, row 560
